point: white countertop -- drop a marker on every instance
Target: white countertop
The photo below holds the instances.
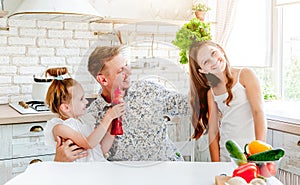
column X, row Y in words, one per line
column 121, row 173
column 11, row 116
column 287, row 111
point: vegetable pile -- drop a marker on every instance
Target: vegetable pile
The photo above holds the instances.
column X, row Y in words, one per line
column 256, row 160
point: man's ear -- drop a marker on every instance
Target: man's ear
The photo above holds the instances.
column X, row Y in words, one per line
column 101, row 79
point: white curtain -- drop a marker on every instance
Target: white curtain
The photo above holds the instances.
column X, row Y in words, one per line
column 225, row 16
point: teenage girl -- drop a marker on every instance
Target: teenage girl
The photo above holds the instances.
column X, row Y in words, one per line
column 226, row 101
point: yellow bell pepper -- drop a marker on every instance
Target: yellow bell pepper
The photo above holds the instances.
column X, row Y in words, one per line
column 257, row 146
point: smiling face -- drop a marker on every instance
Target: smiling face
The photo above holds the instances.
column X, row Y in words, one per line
column 77, row 105
column 115, row 73
column 211, row 59
column 118, row 72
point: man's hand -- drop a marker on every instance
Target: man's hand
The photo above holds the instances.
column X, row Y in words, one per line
column 67, row 151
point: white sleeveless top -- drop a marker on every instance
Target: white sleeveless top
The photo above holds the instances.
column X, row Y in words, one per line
column 236, row 122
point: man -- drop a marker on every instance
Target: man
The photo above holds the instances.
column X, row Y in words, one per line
column 145, row 135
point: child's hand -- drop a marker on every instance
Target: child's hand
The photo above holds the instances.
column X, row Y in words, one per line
column 116, row 111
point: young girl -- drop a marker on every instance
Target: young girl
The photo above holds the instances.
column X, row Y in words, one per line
column 65, row 97
column 226, row 101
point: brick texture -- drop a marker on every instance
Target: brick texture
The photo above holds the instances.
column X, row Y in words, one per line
column 31, row 46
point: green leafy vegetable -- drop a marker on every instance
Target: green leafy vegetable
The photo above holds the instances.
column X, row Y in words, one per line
column 195, row 30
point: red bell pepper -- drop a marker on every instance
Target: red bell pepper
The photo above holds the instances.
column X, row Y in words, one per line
column 247, row 171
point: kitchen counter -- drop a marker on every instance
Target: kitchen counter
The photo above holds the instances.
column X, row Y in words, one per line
column 134, row 173
column 11, row 116
column 283, row 116
column 283, row 126
column 284, row 111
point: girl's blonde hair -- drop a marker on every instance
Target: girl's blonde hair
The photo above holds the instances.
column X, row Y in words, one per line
column 199, row 86
column 58, row 93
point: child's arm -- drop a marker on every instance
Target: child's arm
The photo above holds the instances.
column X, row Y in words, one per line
column 112, row 113
column 96, row 136
column 107, row 141
column 254, row 94
column 213, row 131
column 67, row 132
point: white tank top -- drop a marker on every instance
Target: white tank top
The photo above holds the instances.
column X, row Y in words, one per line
column 236, row 121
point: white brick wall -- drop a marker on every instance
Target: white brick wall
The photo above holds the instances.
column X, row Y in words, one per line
column 12, row 50
column 44, row 42
column 146, row 28
column 80, row 43
column 4, row 60
column 168, row 29
column 21, row 41
column 5, row 79
column 22, row 23
column 3, row 40
column 4, row 70
column 54, row 61
column 4, row 99
column 23, row 79
column 32, row 32
column 30, row 70
column 101, row 27
column 50, row 24
column 6, row 90
column 34, row 51
column 74, row 61
column 76, row 26
column 25, row 61
column 71, row 52
column 26, row 89
column 30, row 46
column 63, row 34
column 12, row 32
column 84, row 35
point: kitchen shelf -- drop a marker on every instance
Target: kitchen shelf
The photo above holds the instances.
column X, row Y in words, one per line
column 132, row 21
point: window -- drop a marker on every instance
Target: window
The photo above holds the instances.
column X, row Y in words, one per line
column 287, row 46
column 249, row 41
column 273, row 49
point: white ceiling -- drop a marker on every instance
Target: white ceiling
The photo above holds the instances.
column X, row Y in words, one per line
column 135, row 9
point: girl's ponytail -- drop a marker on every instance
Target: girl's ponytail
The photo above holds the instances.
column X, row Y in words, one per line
column 58, row 93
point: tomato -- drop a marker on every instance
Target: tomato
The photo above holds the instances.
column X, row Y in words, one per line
column 258, row 146
column 272, row 168
column 267, row 169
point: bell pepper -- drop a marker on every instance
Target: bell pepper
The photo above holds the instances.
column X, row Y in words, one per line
column 257, row 146
column 247, row 171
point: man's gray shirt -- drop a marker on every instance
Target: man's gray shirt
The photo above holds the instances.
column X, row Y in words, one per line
column 145, row 136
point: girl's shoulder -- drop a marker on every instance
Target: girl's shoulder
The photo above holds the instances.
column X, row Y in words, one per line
column 71, row 121
column 244, row 72
column 241, row 71
column 54, row 121
column 246, row 75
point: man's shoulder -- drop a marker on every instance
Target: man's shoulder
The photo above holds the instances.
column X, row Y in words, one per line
column 145, row 84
